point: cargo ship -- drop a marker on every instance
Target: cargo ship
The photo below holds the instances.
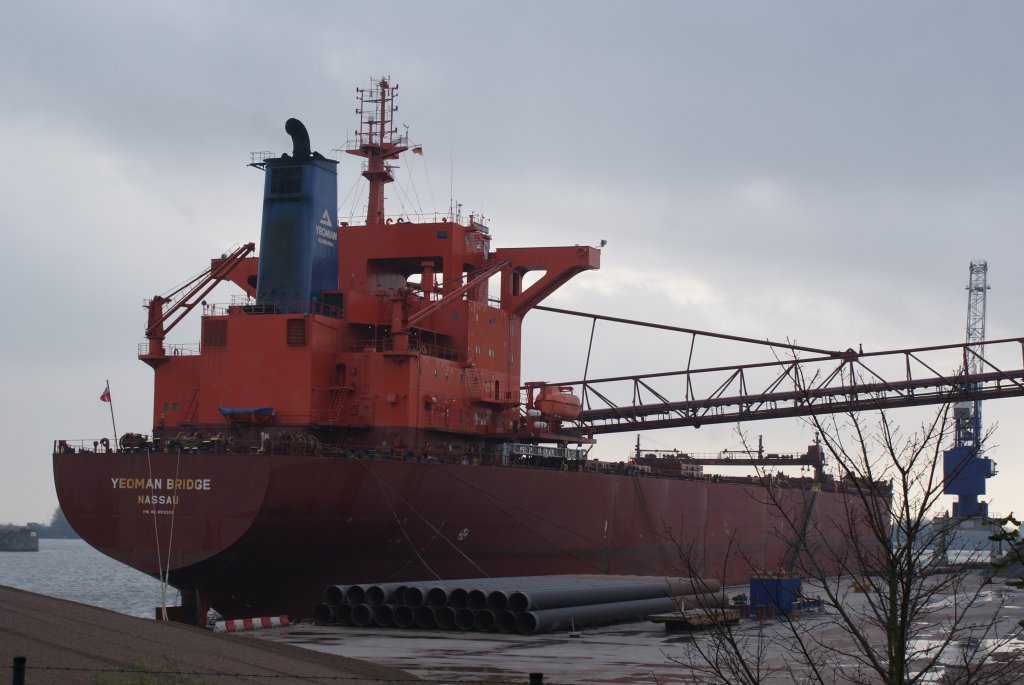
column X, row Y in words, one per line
column 358, row 414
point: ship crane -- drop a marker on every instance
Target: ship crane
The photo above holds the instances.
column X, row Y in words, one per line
column 166, row 311
column 794, row 381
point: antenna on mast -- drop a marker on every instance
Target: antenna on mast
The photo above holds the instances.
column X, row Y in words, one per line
column 376, row 142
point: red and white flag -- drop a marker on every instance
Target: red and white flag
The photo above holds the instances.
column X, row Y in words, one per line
column 105, row 397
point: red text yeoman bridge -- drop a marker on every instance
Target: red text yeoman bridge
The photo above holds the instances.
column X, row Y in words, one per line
column 796, row 381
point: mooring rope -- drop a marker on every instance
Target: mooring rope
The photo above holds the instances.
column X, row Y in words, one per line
column 170, row 536
column 438, row 532
column 156, row 534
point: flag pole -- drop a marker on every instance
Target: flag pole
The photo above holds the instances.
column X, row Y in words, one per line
column 110, row 401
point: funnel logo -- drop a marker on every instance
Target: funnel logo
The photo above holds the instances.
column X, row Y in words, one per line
column 326, row 233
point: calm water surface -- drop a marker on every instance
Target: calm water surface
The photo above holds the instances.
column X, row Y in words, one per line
column 71, row 569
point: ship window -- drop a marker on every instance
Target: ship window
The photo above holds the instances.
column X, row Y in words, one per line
column 215, row 333
column 455, row 314
column 296, row 333
column 441, row 235
column 174, row 406
column 286, row 181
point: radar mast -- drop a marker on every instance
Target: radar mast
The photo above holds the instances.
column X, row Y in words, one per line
column 377, row 143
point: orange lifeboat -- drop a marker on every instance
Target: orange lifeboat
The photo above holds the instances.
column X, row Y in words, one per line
column 558, row 401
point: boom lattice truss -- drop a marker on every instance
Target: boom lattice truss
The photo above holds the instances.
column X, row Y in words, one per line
column 797, row 381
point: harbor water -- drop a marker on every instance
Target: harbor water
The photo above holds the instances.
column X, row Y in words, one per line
column 72, row 570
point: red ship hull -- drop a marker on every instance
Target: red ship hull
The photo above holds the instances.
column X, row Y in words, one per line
column 256, row 534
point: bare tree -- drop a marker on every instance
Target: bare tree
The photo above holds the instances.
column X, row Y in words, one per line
column 864, row 542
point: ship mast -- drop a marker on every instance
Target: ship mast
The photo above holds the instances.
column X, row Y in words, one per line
column 376, row 141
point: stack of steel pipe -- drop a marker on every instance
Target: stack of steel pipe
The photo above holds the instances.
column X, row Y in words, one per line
column 524, row 604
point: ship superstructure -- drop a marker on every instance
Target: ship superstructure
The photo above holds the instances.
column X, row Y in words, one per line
column 379, row 335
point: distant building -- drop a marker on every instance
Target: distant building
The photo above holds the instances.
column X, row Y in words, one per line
column 19, row 539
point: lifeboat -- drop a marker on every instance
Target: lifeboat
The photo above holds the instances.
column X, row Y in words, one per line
column 558, row 401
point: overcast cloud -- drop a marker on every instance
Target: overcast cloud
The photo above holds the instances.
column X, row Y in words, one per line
column 818, row 171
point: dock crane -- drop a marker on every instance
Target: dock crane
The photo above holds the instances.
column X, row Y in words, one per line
column 965, row 468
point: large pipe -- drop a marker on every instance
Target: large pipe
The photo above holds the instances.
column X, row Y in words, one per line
column 464, row 619
column 483, row 620
column 384, row 593
column 497, row 600
column 505, row 622
column 424, row 617
column 384, row 615
column 437, row 596
column 703, row 601
column 335, row 594
column 362, row 615
column 414, row 595
column 445, row 617
column 323, row 614
column 404, row 616
column 457, row 598
column 476, row 599
column 592, row 614
column 343, row 614
column 576, row 595
column 355, row 594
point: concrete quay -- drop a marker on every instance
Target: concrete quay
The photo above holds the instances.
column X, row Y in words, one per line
column 66, row 642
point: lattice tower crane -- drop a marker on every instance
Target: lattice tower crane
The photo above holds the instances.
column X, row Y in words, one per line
column 968, row 414
column 965, row 469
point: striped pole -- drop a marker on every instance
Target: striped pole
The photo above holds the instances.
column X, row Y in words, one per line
column 243, row 624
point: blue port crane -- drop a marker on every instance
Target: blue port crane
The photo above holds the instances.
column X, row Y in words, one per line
column 965, row 467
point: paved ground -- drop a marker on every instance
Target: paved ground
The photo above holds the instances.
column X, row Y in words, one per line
column 73, row 643
column 629, row 653
column 643, row 652
column 66, row 642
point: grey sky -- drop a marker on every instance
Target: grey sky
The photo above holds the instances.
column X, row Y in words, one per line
column 818, row 171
